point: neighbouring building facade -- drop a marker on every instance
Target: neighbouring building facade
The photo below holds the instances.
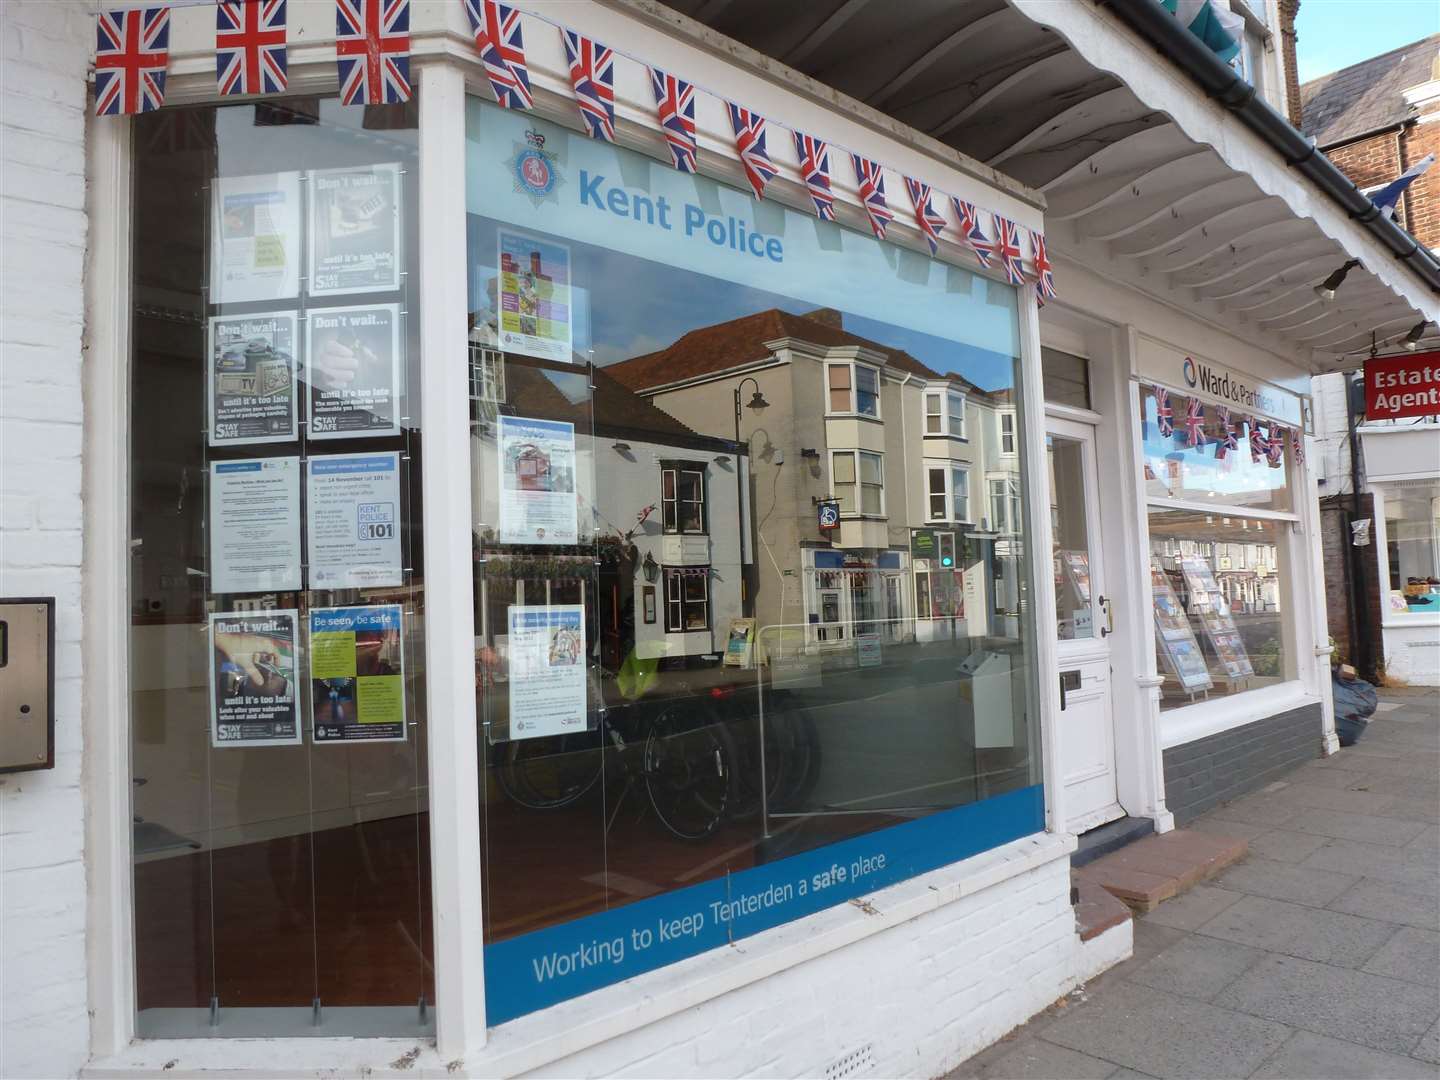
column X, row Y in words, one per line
column 1375, row 120
column 547, row 590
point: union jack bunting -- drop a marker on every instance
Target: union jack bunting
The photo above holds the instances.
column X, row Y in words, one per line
column 1007, row 246
column 372, row 51
column 1164, row 414
column 1044, row 272
column 1257, row 441
column 971, row 233
column 1227, row 439
column 675, row 105
column 1195, row 422
column 1297, row 446
column 132, row 53
column 497, row 38
column 814, row 155
column 750, row 145
column 250, row 47
column 592, row 74
column 871, row 179
column 931, row 223
column 1275, row 447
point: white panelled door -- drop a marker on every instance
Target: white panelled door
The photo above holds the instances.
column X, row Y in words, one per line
column 1082, row 610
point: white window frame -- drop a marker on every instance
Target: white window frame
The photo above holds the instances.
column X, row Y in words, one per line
column 951, row 409
column 677, row 469
column 949, row 468
column 858, row 483
column 1010, row 496
column 854, row 367
column 677, row 577
column 1013, row 435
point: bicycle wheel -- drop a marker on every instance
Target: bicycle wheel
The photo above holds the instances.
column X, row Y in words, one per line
column 743, row 727
column 547, row 773
column 686, row 766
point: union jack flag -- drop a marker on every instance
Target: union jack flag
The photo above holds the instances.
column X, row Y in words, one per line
column 497, row 38
column 1044, row 272
column 871, row 179
column 1007, row 246
column 970, row 231
column 814, row 156
column 372, row 51
column 930, row 222
column 592, row 73
column 1297, row 446
column 750, row 145
column 1164, row 414
column 132, row 53
column 1257, row 441
column 250, row 46
column 1275, row 447
column 675, row 105
column 1195, row 422
column 1228, row 440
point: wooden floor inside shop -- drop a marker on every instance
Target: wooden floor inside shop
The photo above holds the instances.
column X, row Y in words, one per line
column 344, row 914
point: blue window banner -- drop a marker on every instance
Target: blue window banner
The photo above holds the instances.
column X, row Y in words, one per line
column 534, row 971
column 538, row 175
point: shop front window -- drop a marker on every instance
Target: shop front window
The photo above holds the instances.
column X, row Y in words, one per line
column 1220, row 572
column 1412, row 548
column 277, row 725
column 657, row 611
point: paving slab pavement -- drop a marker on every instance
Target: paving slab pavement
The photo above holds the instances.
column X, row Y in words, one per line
column 1317, row 957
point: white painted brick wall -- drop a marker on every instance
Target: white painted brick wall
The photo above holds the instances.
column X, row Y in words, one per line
column 44, row 51
column 927, row 994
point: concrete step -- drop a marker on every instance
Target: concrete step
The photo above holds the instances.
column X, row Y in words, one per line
column 1096, row 909
column 1154, row 869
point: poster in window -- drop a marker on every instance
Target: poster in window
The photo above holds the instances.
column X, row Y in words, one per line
column 740, row 643
column 252, row 384
column 354, row 230
column 537, row 481
column 255, row 525
column 1174, row 636
column 547, row 683
column 252, row 679
column 352, row 371
column 352, row 515
column 536, row 315
column 357, row 674
column 255, row 238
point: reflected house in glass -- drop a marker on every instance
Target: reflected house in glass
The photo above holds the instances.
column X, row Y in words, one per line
column 902, row 448
column 647, row 488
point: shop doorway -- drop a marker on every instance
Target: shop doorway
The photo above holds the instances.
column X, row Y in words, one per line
column 1082, row 628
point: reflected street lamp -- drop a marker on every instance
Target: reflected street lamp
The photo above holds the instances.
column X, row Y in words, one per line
column 756, row 403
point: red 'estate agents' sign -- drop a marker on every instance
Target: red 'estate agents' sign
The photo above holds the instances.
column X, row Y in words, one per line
column 1397, row 386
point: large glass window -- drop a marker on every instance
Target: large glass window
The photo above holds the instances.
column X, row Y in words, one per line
column 1412, row 548
column 281, row 880
column 690, row 736
column 1219, row 495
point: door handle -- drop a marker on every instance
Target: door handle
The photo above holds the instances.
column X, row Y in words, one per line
column 1109, row 627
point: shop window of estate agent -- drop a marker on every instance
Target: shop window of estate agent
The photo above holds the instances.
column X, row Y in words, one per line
column 1219, row 559
column 621, row 772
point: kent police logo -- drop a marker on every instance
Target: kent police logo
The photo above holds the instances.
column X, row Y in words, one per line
column 534, row 169
column 1188, row 370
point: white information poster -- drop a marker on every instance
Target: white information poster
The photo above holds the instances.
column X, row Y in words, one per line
column 352, row 370
column 537, row 481
column 352, row 519
column 253, row 686
column 547, row 670
column 255, row 225
column 252, row 394
column 354, row 230
column 255, row 525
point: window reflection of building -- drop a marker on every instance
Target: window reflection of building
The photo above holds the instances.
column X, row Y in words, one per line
column 891, row 440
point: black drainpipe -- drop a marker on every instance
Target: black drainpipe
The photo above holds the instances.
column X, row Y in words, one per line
column 1152, row 22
